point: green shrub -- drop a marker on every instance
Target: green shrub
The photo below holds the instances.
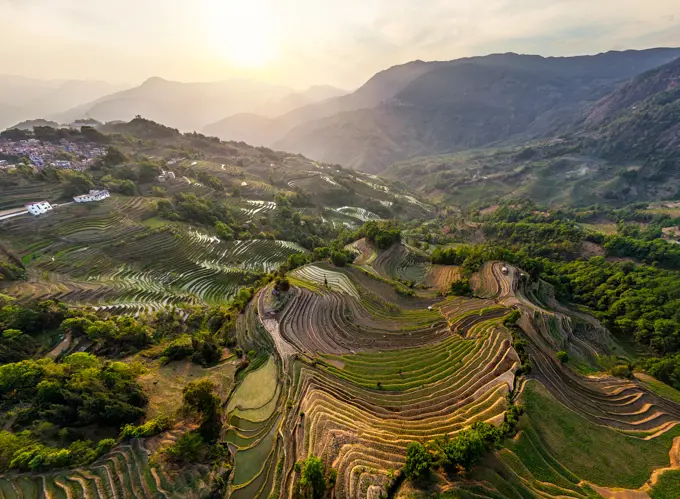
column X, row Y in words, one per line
column 187, row 449
column 179, row 348
column 418, row 461
column 461, row 288
column 622, row 371
column 149, row 429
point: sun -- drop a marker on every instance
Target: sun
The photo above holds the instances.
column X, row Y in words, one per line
column 242, row 32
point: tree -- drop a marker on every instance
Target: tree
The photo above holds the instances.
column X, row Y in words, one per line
column 418, row 461
column 461, row 288
column 200, row 398
column 562, row 356
column 127, row 188
column 113, row 157
column 465, row 450
column 188, row 448
column 224, row 232
column 75, row 183
column 338, row 258
column 147, row 171
column 312, row 478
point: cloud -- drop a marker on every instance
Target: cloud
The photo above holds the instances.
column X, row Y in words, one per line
column 342, row 43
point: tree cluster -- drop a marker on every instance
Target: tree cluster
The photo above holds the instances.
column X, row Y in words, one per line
column 460, row 452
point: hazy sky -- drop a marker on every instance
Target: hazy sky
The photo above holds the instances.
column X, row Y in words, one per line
column 303, row 42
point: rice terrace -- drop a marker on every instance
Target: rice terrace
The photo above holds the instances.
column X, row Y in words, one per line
column 258, row 325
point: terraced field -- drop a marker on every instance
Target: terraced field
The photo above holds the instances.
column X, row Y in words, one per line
column 440, row 277
column 102, row 255
column 125, row 473
column 254, row 417
column 360, row 214
column 370, row 370
column 349, row 369
column 398, row 262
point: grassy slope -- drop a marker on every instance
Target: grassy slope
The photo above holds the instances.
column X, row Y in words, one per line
column 594, row 453
column 659, row 387
column 164, row 384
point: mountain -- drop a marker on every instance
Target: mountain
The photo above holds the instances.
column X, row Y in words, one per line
column 438, row 107
column 30, row 124
column 297, row 100
column 260, row 127
column 641, row 119
column 256, row 129
column 28, row 98
column 186, row 106
column 623, row 148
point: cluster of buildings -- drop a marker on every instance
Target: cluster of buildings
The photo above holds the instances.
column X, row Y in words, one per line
column 96, row 195
column 41, row 207
column 42, row 154
column 166, row 175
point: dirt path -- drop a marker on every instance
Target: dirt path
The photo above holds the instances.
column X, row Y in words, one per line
column 61, row 347
column 285, row 349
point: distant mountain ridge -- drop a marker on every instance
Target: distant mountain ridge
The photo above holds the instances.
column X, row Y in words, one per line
column 466, row 103
column 623, row 148
column 28, row 98
column 186, row 106
column 640, row 119
column 423, row 108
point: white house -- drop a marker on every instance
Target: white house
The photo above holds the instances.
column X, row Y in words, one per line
column 166, row 176
column 39, row 207
column 60, row 163
column 92, row 196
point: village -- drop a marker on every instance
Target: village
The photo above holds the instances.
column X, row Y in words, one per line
column 41, row 154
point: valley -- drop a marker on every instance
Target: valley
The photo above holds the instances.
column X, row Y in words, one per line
column 274, row 318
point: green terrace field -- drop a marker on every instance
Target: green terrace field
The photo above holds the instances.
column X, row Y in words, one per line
column 124, row 473
column 380, row 369
column 104, row 254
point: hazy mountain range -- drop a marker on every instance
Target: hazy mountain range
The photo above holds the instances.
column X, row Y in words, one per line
column 623, row 148
column 186, row 106
column 28, row 98
column 439, row 107
column 406, row 111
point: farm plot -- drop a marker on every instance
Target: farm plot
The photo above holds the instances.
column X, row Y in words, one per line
column 254, row 419
column 325, row 277
column 364, row 431
column 365, row 252
column 333, row 322
column 146, row 269
column 258, row 207
column 597, row 454
column 383, row 375
column 397, row 262
column 617, row 403
column 359, row 213
column 441, row 276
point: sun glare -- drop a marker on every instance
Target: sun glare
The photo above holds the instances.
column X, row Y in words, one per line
column 242, row 31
